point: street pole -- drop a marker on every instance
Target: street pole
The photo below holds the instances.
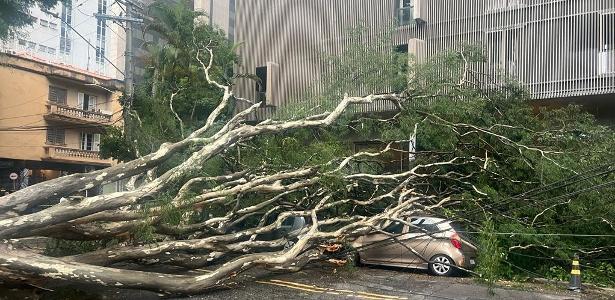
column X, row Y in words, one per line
column 128, row 55
column 128, row 20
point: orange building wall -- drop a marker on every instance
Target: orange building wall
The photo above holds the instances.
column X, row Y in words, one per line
column 22, row 103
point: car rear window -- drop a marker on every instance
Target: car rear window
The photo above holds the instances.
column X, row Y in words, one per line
column 462, row 232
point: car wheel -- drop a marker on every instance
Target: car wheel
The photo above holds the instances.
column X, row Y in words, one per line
column 442, row 265
column 354, row 259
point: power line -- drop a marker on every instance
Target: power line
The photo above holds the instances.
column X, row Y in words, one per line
column 88, row 42
column 541, row 234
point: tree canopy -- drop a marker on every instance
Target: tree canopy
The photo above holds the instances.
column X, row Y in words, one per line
column 535, row 185
column 174, row 98
column 15, row 14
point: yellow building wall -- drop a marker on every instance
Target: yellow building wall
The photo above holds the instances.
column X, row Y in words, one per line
column 23, row 98
column 22, row 104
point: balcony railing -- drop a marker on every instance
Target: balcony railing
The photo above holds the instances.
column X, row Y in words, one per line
column 75, row 114
column 77, row 155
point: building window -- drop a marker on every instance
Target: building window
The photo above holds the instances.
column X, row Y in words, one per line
column 504, row 51
column 57, row 95
column 231, row 21
column 402, row 49
column 405, row 12
column 608, row 33
column 55, row 136
column 90, row 141
column 101, row 29
column 504, row 4
column 261, row 85
column 86, row 102
column 22, row 42
column 65, row 41
column 31, row 45
column 607, row 53
column 45, row 49
column 53, row 26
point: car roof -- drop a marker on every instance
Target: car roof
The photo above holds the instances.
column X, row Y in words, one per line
column 429, row 219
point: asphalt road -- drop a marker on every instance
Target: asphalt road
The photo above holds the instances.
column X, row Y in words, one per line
column 370, row 283
column 326, row 282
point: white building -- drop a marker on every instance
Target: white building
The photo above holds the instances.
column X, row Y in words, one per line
column 71, row 35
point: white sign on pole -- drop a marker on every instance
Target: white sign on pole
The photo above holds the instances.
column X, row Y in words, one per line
column 13, row 176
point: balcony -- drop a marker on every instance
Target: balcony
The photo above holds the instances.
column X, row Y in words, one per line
column 64, row 113
column 71, row 155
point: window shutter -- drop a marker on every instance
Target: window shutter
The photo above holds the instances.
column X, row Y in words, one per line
column 92, row 103
column 83, row 141
column 62, row 95
column 80, row 99
column 53, row 95
column 96, row 146
column 50, row 136
column 56, row 136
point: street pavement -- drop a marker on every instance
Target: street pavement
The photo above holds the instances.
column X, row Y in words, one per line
column 326, row 282
column 371, row 283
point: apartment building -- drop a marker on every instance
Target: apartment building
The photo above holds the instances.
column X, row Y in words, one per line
column 51, row 118
column 70, row 34
column 560, row 50
column 219, row 13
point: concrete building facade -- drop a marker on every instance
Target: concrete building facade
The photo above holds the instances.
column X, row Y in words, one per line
column 70, row 34
column 220, row 14
column 558, row 49
column 51, row 118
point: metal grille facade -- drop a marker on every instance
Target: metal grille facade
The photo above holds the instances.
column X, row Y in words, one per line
column 556, row 48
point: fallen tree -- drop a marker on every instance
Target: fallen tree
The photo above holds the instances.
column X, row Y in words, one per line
column 187, row 216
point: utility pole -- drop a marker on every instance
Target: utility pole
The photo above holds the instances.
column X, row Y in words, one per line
column 128, row 20
column 128, row 55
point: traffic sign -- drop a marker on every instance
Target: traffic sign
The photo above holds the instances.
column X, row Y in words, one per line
column 13, row 176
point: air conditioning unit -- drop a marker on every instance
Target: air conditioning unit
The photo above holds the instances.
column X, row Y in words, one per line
column 607, row 62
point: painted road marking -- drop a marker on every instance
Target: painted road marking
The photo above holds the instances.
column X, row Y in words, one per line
column 289, row 286
column 316, row 289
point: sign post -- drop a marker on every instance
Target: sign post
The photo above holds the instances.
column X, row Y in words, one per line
column 14, row 177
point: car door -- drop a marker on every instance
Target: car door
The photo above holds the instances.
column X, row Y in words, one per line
column 380, row 247
column 419, row 240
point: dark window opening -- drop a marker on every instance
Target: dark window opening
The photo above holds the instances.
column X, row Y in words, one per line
column 405, row 12
column 402, row 49
column 261, row 84
column 394, row 228
column 608, row 33
column 90, row 141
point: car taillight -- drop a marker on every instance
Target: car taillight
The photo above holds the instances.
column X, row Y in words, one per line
column 455, row 240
